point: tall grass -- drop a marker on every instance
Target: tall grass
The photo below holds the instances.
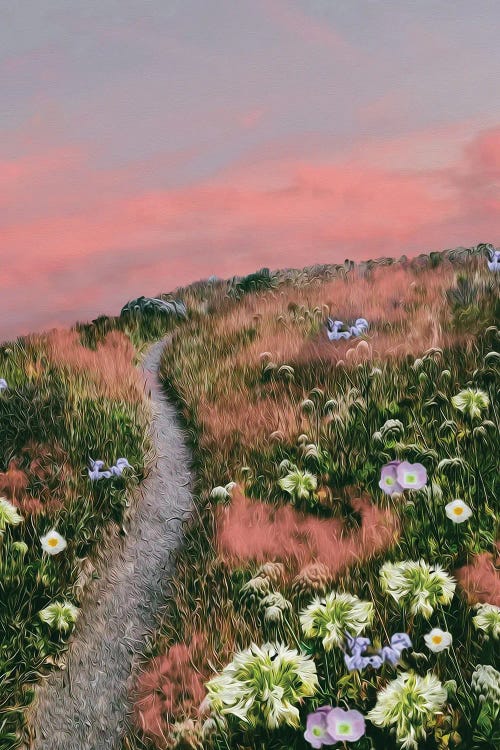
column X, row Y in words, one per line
column 259, row 384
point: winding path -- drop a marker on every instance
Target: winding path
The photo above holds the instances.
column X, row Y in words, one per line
column 84, row 707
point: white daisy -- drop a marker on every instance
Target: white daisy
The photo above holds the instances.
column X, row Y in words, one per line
column 458, row 511
column 438, row 640
column 53, row 542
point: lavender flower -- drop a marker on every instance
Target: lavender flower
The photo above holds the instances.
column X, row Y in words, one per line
column 392, row 654
column 317, row 733
column 121, row 463
column 3, row 384
column 494, row 261
column 359, row 327
column 389, row 478
column 333, row 330
column 95, row 470
column 345, row 726
column 357, row 647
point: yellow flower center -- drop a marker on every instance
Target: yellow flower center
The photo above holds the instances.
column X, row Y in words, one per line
column 437, row 639
column 52, row 542
column 458, row 511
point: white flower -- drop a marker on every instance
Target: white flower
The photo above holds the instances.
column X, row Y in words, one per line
column 458, row 511
column 9, row 515
column 438, row 640
column 334, row 615
column 488, row 619
column 3, row 384
column 263, row 685
column 53, row 542
column 409, row 703
column 59, row 615
column 418, row 585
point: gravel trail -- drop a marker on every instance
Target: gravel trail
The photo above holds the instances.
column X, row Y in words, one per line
column 85, row 707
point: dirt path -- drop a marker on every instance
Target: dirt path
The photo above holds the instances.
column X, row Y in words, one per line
column 84, row 707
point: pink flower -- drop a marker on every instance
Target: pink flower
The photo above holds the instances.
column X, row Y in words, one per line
column 317, row 733
column 389, row 478
column 411, row 476
column 345, row 726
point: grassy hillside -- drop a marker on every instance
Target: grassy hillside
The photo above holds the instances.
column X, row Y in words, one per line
column 290, row 433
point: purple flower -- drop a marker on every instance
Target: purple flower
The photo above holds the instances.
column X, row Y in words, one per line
column 95, row 470
column 345, row 726
column 333, row 330
column 411, row 476
column 494, row 260
column 3, row 384
column 317, row 733
column 389, row 478
column 357, row 647
column 392, row 653
column 121, row 464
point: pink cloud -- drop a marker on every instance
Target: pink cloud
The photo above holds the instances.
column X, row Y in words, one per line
column 99, row 239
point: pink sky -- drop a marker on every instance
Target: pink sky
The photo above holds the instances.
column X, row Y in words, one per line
column 141, row 151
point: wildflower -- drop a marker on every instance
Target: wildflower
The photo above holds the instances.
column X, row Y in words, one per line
column 299, row 484
column 409, row 703
column 95, row 471
column 494, row 259
column 357, row 647
column 317, row 733
column 53, row 542
column 389, row 478
column 264, row 684
column 438, row 640
column 411, row 476
column 274, row 607
column 121, row 463
column 345, row 726
column 273, row 571
column 488, row 619
column 20, row 547
column 392, row 653
column 9, row 515
column 3, row 384
column 486, row 683
column 331, row 617
column 360, row 327
column 471, row 401
column 59, row 615
column 314, row 577
column 458, row 511
column 417, row 584
column 333, row 330
column 254, row 590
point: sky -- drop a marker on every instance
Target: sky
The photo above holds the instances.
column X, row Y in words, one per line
column 148, row 144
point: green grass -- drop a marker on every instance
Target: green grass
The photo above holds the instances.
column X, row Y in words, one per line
column 341, row 409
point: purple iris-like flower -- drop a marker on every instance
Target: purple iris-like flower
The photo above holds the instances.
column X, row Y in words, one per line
column 345, row 726
column 317, row 733
column 121, row 464
column 95, row 471
column 411, row 476
column 357, row 646
column 392, row 653
column 389, row 482
column 494, row 261
column 333, row 330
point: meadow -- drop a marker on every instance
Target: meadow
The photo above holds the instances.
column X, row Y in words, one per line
column 338, row 584
column 67, row 398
